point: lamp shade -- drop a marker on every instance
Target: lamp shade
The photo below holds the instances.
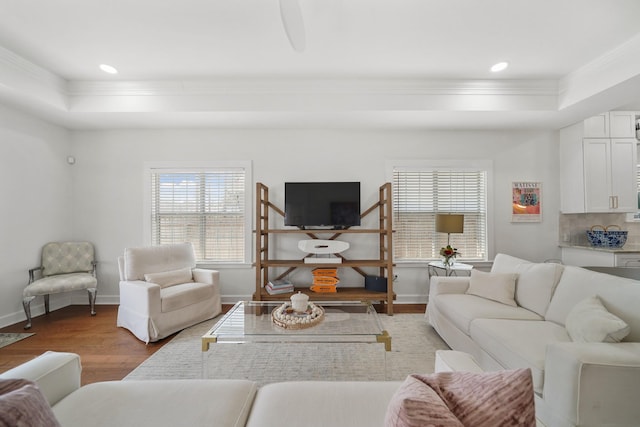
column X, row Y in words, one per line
column 449, row 223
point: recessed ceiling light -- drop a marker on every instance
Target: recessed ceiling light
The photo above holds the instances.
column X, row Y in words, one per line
column 500, row 66
column 108, row 69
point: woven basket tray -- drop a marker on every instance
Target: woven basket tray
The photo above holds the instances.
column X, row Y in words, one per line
column 297, row 320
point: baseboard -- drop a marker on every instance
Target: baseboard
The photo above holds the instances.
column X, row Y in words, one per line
column 100, row 299
column 56, row 302
column 37, row 309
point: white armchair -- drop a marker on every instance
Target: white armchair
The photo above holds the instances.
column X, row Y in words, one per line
column 161, row 291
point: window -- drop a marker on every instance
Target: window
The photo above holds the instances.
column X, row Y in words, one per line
column 421, row 192
column 204, row 206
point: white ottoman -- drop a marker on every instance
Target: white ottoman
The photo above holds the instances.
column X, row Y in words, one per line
column 452, row 361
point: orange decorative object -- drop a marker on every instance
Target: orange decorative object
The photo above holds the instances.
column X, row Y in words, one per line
column 325, row 280
column 325, row 272
column 324, row 288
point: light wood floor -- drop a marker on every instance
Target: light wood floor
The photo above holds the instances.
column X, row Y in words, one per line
column 107, row 352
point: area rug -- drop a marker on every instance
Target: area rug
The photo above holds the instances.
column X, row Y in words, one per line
column 7, row 338
column 413, row 340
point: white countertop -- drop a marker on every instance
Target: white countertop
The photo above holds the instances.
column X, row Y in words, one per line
column 627, row 248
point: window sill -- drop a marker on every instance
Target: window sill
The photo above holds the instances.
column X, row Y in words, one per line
column 240, row 265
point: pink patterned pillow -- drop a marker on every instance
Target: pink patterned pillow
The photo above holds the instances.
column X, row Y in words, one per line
column 488, row 399
column 415, row 404
column 23, row 404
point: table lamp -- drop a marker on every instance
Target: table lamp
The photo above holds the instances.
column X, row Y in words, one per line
column 449, row 223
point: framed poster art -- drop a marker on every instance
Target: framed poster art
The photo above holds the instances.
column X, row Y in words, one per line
column 526, row 203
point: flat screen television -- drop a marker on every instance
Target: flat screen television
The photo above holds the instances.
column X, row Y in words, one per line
column 319, row 204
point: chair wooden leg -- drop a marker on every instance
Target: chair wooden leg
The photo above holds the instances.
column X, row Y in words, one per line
column 92, row 300
column 26, row 304
column 46, row 303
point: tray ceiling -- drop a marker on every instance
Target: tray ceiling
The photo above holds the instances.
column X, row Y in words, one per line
column 363, row 63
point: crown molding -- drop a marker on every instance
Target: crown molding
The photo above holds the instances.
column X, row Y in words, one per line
column 315, row 85
column 276, row 99
column 612, row 68
column 43, row 76
column 20, row 78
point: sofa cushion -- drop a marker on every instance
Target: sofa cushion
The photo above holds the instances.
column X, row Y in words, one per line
column 518, row 344
column 488, row 399
column 500, row 287
column 156, row 259
column 589, row 321
column 23, row 404
column 415, row 404
column 160, row 402
column 619, row 295
column 183, row 295
column 322, row 403
column 60, row 283
column 170, row 278
column 462, row 309
column 536, row 281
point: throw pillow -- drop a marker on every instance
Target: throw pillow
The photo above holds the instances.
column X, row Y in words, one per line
column 487, row 399
column 415, row 404
column 170, row 278
column 23, row 404
column 500, row 287
column 589, row 321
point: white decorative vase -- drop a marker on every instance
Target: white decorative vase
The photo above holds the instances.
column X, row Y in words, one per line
column 299, row 302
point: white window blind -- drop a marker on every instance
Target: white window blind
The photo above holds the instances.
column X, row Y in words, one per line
column 205, row 207
column 418, row 194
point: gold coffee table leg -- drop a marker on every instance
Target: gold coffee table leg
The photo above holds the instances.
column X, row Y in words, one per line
column 206, row 341
column 385, row 338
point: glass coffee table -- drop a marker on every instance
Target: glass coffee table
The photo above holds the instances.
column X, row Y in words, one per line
column 342, row 322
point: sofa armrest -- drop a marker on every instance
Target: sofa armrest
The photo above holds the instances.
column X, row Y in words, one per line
column 57, row 374
column 448, row 285
column 593, row 383
column 203, row 275
column 140, row 296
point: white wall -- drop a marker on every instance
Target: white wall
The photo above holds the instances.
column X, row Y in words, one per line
column 36, row 190
column 108, row 183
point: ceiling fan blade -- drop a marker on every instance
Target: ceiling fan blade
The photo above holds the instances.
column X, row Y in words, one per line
column 293, row 23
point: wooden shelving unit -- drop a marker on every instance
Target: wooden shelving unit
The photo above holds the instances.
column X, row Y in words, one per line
column 384, row 262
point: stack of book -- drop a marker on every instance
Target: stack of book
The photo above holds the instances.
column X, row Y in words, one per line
column 281, row 286
column 325, row 280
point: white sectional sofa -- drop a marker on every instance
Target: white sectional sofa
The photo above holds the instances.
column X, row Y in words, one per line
column 576, row 383
column 193, row 403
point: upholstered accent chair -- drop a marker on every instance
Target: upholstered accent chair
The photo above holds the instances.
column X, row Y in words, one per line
column 162, row 291
column 65, row 267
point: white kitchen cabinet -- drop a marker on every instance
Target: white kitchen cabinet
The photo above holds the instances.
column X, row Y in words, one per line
column 613, row 124
column 622, row 124
column 597, row 174
column 627, row 260
column 586, row 257
column 596, row 126
column 610, row 175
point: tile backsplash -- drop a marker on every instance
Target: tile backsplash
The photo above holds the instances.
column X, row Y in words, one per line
column 573, row 227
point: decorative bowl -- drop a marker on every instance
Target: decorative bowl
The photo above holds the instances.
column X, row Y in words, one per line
column 606, row 238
